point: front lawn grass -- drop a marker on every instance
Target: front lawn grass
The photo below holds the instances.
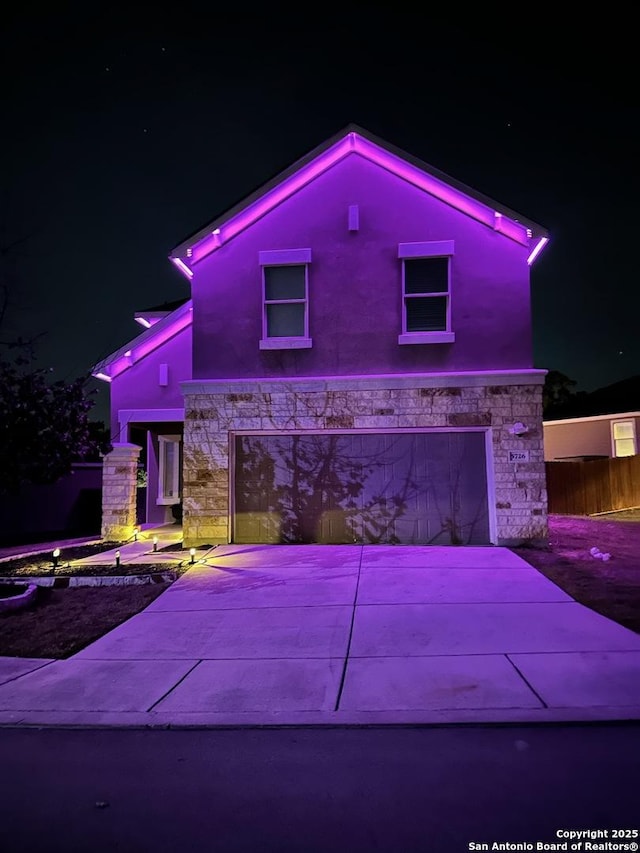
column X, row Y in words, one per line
column 63, row 621
column 611, row 588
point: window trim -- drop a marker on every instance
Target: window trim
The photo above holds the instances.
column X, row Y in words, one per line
column 634, row 437
column 281, row 258
column 417, row 251
column 162, row 498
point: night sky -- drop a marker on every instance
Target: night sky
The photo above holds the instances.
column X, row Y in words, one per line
column 125, row 131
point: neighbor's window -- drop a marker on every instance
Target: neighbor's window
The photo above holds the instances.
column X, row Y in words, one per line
column 624, row 438
column 168, row 469
column 426, row 292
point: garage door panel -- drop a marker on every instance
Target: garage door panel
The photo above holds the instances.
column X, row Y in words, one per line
column 392, row 488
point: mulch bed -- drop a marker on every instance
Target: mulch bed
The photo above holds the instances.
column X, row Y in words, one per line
column 74, row 552
column 109, row 570
column 41, row 565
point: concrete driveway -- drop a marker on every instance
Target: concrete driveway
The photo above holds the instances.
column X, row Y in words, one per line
column 339, row 635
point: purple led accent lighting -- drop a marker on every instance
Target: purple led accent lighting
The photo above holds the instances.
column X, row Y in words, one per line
column 277, row 195
column 263, row 205
column 353, row 143
column 438, row 188
column 103, row 376
column 184, row 269
column 152, row 342
column 149, row 319
column 542, row 242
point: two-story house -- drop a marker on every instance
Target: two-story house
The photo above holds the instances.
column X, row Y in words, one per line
column 354, row 365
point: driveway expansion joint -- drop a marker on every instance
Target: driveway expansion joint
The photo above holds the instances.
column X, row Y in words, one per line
column 527, row 682
column 171, row 689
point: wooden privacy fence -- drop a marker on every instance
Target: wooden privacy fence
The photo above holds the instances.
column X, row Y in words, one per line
column 602, row 485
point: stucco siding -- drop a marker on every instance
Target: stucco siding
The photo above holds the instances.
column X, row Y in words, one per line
column 139, row 387
column 355, row 293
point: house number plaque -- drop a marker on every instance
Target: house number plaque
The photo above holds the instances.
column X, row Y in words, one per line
column 518, row 456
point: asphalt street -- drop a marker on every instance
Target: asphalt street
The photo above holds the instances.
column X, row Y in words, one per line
column 439, row 789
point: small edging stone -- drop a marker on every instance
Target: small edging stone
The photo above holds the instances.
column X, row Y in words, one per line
column 64, row 582
column 24, row 599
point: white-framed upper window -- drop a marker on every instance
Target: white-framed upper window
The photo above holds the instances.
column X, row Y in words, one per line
column 168, row 469
column 623, row 438
column 285, row 299
column 426, row 292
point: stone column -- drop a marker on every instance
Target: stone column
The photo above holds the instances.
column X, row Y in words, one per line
column 119, row 471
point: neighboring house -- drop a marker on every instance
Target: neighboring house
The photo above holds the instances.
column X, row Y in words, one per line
column 354, row 365
column 595, row 437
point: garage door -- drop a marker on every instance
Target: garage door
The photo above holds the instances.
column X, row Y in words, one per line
column 409, row 488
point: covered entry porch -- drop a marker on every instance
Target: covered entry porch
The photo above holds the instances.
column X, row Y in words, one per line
column 142, row 476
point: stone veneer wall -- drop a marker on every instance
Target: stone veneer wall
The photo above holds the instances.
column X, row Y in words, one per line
column 214, row 409
column 119, row 472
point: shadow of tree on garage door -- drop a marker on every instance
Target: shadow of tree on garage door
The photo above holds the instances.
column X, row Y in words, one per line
column 391, row 488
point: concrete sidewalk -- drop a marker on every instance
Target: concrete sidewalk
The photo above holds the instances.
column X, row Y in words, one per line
column 273, row 635
column 167, row 534
column 12, row 552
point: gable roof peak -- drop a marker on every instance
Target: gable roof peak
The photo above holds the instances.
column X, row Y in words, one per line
column 355, row 139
